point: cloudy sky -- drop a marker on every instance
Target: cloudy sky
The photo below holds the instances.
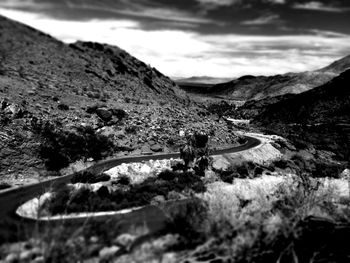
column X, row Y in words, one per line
column 218, row 38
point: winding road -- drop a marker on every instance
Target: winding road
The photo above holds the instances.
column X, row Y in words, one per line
column 11, row 199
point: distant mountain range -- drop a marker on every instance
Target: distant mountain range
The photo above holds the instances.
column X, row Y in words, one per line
column 260, row 87
column 201, row 80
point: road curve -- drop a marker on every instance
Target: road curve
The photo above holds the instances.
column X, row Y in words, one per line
column 11, row 199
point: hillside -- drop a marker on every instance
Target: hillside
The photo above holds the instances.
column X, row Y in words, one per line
column 260, row 87
column 202, row 79
column 27, row 54
column 320, row 116
column 63, row 103
column 338, row 66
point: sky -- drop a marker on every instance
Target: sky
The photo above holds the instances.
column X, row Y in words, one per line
column 216, row 38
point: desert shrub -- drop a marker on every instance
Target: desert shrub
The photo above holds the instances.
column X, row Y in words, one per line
column 222, row 108
column 4, row 186
column 190, row 222
column 323, row 169
column 227, row 176
column 282, row 164
column 258, row 171
column 60, row 147
column 243, row 170
column 167, row 175
column 89, row 177
column 85, row 200
column 123, row 180
column 58, row 203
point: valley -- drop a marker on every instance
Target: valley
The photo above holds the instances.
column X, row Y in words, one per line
column 105, row 159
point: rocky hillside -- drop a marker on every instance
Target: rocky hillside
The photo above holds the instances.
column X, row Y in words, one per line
column 320, row 115
column 260, row 87
column 96, row 70
column 62, row 103
column 338, row 66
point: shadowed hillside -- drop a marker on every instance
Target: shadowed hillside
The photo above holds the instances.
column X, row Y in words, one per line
column 320, row 116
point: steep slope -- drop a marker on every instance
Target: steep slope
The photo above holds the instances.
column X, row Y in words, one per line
column 327, row 103
column 63, row 103
column 34, row 56
column 320, row 115
column 338, row 66
column 260, row 87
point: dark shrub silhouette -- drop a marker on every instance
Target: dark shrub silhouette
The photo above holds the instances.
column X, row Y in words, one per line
column 60, row 147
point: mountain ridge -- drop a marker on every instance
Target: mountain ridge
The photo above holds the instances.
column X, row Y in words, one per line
column 260, row 87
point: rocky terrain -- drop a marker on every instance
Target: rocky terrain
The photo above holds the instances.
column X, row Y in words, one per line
column 260, row 87
column 320, row 116
column 81, row 96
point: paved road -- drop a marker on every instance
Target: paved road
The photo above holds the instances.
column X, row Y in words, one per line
column 11, row 199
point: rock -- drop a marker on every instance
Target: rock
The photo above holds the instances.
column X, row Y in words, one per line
column 145, row 149
column 165, row 242
column 93, row 250
column 119, row 113
column 104, row 114
column 345, row 174
column 12, row 258
column 173, row 195
column 94, row 239
column 156, row 148
column 14, row 110
column 108, row 253
column 26, row 256
column 31, row 92
column 125, row 240
column 63, row 106
column 39, row 259
column 3, row 104
column 92, row 109
column 157, row 200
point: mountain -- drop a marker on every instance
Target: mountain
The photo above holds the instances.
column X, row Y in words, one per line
column 27, row 54
column 260, row 87
column 64, row 103
column 202, row 79
column 338, row 66
column 320, row 115
column 327, row 103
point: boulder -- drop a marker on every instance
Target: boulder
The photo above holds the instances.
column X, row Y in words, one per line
column 156, row 148
column 11, row 258
column 119, row 113
column 104, row 114
column 125, row 240
column 107, row 253
column 92, row 109
column 63, row 106
column 14, row 110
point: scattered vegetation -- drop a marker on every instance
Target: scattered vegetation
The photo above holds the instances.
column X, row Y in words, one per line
column 60, row 147
column 68, row 200
column 221, row 109
column 90, row 178
column 245, row 169
column 195, row 153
